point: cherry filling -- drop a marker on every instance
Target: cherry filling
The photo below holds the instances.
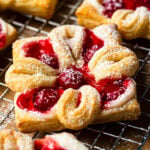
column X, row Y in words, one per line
column 2, row 37
column 112, row 5
column 91, row 45
column 43, row 51
column 42, row 99
column 112, row 90
column 133, row 4
column 109, row 89
column 71, row 78
column 47, row 144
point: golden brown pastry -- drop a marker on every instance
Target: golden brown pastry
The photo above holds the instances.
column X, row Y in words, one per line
column 73, row 78
column 12, row 140
column 132, row 17
column 40, row 8
column 7, row 34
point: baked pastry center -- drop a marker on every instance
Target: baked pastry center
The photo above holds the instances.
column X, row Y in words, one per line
column 112, row 5
column 2, row 36
column 43, row 99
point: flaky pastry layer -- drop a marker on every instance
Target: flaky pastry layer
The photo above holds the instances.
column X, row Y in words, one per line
column 131, row 23
column 40, row 8
column 12, row 140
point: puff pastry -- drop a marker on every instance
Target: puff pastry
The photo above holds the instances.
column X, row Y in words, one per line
column 40, row 8
column 73, row 78
column 132, row 17
column 13, row 140
column 7, row 34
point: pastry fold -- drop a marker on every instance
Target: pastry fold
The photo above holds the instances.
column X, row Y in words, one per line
column 40, row 8
column 131, row 24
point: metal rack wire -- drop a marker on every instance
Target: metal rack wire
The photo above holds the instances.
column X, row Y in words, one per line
column 119, row 135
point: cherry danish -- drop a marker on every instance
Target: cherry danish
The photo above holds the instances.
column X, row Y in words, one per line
column 73, row 78
column 131, row 16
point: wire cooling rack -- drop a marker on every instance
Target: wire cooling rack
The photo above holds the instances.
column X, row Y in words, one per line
column 120, row 135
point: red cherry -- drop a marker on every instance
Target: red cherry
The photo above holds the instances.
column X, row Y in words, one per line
column 46, row 98
column 71, row 78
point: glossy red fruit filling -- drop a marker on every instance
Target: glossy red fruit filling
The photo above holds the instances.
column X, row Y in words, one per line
column 113, row 89
column 47, row 144
column 42, row 99
column 133, row 4
column 112, row 5
column 91, row 44
column 43, row 51
column 2, row 37
column 109, row 89
column 71, row 78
